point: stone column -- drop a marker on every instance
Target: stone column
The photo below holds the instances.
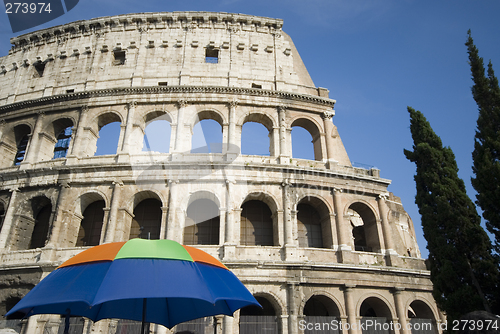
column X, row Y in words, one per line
column 284, row 156
column 386, row 228
column 401, row 310
column 125, row 146
column 330, row 151
column 181, row 104
column 113, row 212
column 227, row 325
column 290, row 243
column 32, row 149
column 74, row 150
column 54, row 239
column 342, row 230
column 229, row 232
column 351, row 308
column 2, row 127
column 163, row 223
column 172, row 222
column 233, row 144
column 292, row 310
column 9, row 216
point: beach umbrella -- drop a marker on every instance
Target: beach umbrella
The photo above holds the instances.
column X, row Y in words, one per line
column 157, row 281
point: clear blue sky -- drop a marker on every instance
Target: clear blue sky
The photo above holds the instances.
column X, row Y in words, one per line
column 376, row 58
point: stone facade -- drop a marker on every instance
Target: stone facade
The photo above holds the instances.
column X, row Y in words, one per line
column 329, row 241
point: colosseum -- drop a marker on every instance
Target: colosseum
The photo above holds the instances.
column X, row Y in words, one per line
column 318, row 242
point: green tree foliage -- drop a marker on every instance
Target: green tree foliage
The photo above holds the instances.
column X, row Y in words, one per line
column 486, row 155
column 463, row 271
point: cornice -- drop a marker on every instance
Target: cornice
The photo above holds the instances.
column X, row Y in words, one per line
column 167, row 90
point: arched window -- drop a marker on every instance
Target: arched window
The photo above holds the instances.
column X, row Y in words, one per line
column 321, row 309
column 306, row 140
column 91, row 225
column 207, row 137
column 157, row 137
column 375, row 311
column 202, row 223
column 108, row 138
column 254, row 319
column 364, row 228
column 41, row 228
column 302, row 146
column 254, row 139
column 62, row 145
column 309, row 226
column 147, row 220
column 21, row 149
column 256, row 224
column 421, row 318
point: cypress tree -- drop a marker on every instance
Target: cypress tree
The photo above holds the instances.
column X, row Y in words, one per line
column 486, row 154
column 463, row 270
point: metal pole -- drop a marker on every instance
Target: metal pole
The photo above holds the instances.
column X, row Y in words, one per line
column 143, row 327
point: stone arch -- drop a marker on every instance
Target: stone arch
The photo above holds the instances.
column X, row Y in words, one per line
column 254, row 319
column 95, row 137
column 200, row 140
column 15, row 144
column 314, row 223
column 201, row 194
column 57, row 140
column 212, row 114
column 334, row 306
column 265, row 123
column 375, row 301
column 202, row 219
column 423, row 303
column 364, row 226
column 147, row 215
column 315, row 130
column 278, row 305
column 421, row 316
column 155, row 136
column 258, row 220
column 90, row 215
column 33, row 221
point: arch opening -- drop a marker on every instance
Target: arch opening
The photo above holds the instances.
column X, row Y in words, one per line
column 421, row 318
column 323, row 313
column 364, row 228
column 91, row 225
column 157, row 136
column 41, row 226
column 202, row 223
column 62, row 144
column 306, row 140
column 256, row 224
column 207, row 137
column 254, row 319
column 255, row 139
column 146, row 223
column 22, row 138
column 375, row 314
column 109, row 128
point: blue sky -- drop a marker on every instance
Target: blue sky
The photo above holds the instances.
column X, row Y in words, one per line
column 376, row 58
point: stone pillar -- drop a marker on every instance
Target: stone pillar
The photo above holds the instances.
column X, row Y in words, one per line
column 54, row 239
column 229, row 238
column 32, row 149
column 172, row 221
column 342, row 230
column 330, row 151
column 77, row 134
column 9, row 216
column 163, row 223
column 284, row 156
column 227, row 325
column 401, row 310
column 125, row 146
column 386, row 228
column 181, row 104
column 290, row 243
column 2, row 127
column 232, row 140
column 113, row 212
column 351, row 308
column 292, row 310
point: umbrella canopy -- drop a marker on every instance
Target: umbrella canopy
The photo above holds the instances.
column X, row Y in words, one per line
column 157, row 281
